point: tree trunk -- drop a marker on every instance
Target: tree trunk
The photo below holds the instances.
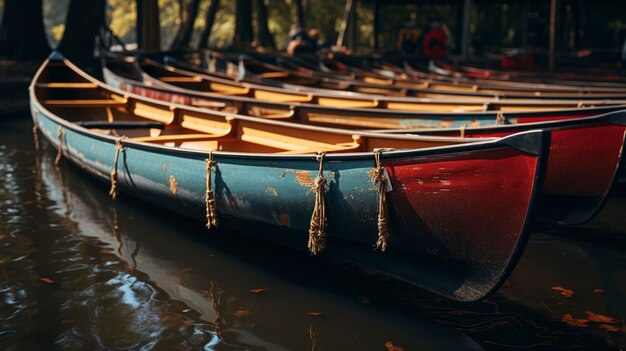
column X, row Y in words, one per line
column 84, row 19
column 243, row 23
column 209, row 20
column 148, row 28
column 22, row 35
column 265, row 37
column 183, row 36
column 299, row 13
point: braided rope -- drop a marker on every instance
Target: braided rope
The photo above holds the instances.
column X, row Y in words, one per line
column 317, row 230
column 209, row 197
column 381, row 182
column 57, row 160
column 119, row 146
column 500, row 118
column 462, row 130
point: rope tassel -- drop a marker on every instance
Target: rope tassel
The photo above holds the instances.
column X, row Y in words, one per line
column 57, row 160
column 36, row 130
column 317, row 230
column 119, row 146
column 211, row 214
column 380, row 180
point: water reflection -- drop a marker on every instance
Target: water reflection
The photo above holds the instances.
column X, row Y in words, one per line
column 124, row 275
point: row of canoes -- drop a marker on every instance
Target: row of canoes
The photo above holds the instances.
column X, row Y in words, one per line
column 447, row 211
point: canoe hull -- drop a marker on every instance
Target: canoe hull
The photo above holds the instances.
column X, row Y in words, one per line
column 441, row 238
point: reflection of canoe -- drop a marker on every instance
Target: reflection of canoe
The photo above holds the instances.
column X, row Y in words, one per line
column 444, row 236
column 578, row 180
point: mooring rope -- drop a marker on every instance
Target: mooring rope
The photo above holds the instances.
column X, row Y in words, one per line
column 119, row 147
column 211, row 213
column 317, row 230
column 500, row 118
column 462, row 130
column 36, row 129
column 57, row 160
column 381, row 182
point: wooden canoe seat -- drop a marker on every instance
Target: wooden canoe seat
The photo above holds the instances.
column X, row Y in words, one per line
column 275, row 96
column 177, row 138
column 85, row 103
column 67, row 85
column 271, row 75
column 346, row 103
column 120, row 124
column 227, row 89
column 181, row 79
column 324, row 148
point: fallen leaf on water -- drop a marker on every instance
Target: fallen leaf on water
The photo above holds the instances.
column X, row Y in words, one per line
column 598, row 290
column 257, row 291
column 391, row 347
column 47, row 280
column 610, row 328
column 567, row 318
column 205, row 292
column 563, row 291
column 67, row 321
column 600, row 318
column 241, row 313
column 187, row 269
column 314, row 314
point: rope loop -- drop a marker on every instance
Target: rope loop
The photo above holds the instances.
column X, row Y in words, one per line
column 380, row 179
column 209, row 196
column 500, row 118
column 57, row 160
column 119, row 147
column 317, row 229
column 462, row 130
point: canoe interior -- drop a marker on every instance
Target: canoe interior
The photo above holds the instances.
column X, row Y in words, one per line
column 67, row 94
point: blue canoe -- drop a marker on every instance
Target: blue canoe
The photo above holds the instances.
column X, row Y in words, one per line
column 453, row 213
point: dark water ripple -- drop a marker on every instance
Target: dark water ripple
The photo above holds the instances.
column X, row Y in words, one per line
column 79, row 271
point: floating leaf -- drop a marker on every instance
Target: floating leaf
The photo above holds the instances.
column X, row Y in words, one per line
column 241, row 313
column 205, row 292
column 610, row 328
column 258, row 291
column 597, row 291
column 563, row 291
column 391, row 347
column 314, row 314
column 67, row 321
column 567, row 318
column 187, row 269
column 600, row 318
column 47, row 280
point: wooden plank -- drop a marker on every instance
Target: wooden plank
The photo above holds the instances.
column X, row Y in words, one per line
column 84, row 103
column 67, row 85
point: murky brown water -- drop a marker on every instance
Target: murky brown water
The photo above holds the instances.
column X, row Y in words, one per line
column 79, row 271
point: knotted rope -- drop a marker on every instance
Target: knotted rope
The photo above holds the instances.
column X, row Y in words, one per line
column 119, row 146
column 209, row 197
column 462, row 130
column 500, row 118
column 57, row 160
column 317, row 230
column 380, row 180
column 36, row 129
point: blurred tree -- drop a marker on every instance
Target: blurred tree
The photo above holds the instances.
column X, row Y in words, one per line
column 265, row 38
column 84, row 19
column 243, row 24
column 188, row 17
column 148, row 37
column 22, row 34
column 208, row 24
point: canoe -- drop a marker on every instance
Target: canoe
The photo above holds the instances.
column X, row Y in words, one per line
column 581, row 170
column 454, row 215
column 373, row 85
column 345, row 99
